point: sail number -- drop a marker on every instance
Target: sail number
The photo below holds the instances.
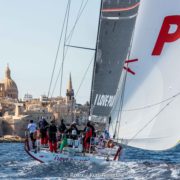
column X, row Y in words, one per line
column 165, row 36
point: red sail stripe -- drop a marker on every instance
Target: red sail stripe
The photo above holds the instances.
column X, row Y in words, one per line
column 129, row 70
column 131, row 60
column 120, row 9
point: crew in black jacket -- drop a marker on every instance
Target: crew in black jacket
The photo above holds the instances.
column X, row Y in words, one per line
column 52, row 136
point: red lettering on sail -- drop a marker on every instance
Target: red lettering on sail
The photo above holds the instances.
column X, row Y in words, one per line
column 165, row 36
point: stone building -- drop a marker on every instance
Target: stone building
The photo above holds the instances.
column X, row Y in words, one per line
column 17, row 114
column 8, row 87
column 15, row 126
column 2, row 90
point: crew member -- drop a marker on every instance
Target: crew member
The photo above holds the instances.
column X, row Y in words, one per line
column 73, row 131
column 62, row 128
column 43, row 126
column 32, row 129
column 52, row 136
column 88, row 135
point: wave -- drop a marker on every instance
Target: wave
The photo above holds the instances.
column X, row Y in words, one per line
column 136, row 164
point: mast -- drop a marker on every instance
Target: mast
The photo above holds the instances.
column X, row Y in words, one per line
column 94, row 64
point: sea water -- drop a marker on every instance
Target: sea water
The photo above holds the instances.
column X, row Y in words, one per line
column 136, row 164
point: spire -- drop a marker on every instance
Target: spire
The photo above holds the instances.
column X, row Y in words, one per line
column 69, row 88
column 69, row 91
column 8, row 72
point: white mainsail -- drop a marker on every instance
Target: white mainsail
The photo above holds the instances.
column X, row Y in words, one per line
column 150, row 117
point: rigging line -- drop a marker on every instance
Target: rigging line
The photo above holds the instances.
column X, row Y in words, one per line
column 124, row 85
column 56, row 82
column 80, row 12
column 122, row 96
column 118, row 120
column 116, row 103
column 63, row 58
column 72, row 30
column 84, row 76
column 79, row 47
column 57, row 52
column 77, row 19
column 151, row 120
column 152, row 105
column 121, row 105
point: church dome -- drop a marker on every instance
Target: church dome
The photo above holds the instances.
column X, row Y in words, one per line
column 10, row 86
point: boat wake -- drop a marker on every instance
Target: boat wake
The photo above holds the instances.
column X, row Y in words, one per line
column 109, row 170
column 145, row 165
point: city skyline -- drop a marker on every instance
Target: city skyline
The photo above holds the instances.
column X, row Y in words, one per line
column 29, row 38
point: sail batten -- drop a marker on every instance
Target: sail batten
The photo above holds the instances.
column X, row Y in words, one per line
column 119, row 18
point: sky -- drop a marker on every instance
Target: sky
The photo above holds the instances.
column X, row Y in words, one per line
column 29, row 35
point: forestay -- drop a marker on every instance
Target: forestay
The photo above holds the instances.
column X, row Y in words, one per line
column 151, row 108
column 116, row 26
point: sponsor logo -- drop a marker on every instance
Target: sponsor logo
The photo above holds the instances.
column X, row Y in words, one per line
column 165, row 36
column 104, row 100
column 59, row 158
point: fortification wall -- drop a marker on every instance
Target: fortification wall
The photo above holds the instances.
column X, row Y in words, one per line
column 15, row 127
column 7, row 127
column 20, row 127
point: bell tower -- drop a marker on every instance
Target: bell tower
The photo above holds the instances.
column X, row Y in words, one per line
column 69, row 90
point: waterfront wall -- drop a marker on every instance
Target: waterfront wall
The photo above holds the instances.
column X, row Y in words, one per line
column 7, row 127
column 15, row 127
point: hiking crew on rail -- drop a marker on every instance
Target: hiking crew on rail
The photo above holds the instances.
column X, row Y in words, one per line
column 61, row 136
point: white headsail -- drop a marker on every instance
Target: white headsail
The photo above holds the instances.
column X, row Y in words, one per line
column 150, row 117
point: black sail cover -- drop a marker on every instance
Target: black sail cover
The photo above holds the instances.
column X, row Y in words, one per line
column 116, row 27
